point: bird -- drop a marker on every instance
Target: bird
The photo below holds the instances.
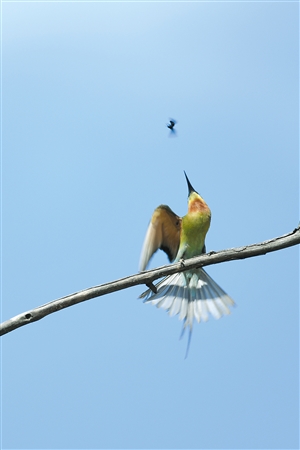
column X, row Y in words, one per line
column 192, row 294
column 171, row 125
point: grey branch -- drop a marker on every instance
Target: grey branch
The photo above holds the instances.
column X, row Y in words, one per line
column 147, row 277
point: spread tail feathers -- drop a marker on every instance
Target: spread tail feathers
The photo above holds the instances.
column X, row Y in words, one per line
column 191, row 294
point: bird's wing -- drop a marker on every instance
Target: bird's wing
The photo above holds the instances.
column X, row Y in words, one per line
column 163, row 233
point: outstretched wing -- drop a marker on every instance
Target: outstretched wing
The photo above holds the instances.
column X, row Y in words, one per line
column 163, row 233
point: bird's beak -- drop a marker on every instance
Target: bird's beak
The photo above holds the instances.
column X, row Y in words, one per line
column 190, row 187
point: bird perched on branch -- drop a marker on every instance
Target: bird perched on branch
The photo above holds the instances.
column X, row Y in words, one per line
column 192, row 294
column 171, row 126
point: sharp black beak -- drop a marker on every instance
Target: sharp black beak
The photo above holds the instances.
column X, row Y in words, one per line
column 190, row 187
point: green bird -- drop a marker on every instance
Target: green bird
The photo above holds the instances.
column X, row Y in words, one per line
column 192, row 294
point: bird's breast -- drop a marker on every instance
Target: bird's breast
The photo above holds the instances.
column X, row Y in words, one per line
column 194, row 229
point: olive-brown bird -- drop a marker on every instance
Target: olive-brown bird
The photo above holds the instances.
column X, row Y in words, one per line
column 193, row 293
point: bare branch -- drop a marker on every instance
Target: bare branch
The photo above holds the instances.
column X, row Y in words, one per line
column 147, row 277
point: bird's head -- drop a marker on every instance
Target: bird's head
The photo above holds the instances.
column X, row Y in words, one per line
column 195, row 201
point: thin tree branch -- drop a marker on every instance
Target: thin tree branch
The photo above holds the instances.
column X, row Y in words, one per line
column 147, row 277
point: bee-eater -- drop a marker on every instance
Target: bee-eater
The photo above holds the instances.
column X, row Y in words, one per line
column 193, row 293
column 171, row 126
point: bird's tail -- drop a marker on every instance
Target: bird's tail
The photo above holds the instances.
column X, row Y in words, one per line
column 191, row 294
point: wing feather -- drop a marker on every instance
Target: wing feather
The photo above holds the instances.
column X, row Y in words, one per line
column 163, row 233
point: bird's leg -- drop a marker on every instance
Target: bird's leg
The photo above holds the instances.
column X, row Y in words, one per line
column 151, row 286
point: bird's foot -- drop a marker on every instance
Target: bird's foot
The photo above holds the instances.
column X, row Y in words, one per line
column 151, row 286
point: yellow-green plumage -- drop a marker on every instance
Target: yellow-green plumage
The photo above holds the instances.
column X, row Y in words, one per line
column 192, row 294
column 195, row 225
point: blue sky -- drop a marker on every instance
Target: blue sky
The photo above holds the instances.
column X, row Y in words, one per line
column 87, row 90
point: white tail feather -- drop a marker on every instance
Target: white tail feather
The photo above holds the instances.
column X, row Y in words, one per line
column 192, row 294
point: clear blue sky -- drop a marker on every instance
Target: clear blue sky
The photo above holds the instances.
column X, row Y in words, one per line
column 87, row 91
